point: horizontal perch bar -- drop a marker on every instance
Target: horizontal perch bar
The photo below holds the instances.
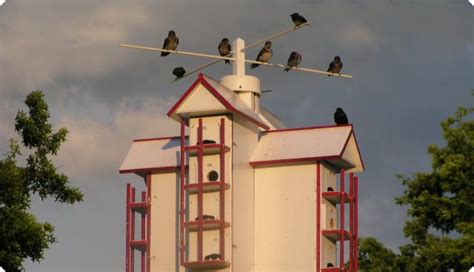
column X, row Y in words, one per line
column 275, row 36
column 176, row 52
column 299, row 69
column 200, row 68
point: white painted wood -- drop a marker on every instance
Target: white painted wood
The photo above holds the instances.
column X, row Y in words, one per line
column 143, row 154
column 285, row 218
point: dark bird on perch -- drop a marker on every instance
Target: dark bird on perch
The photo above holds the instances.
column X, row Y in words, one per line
column 298, row 19
column 293, row 61
column 171, row 43
column 179, row 72
column 205, row 217
column 225, row 48
column 335, row 66
column 340, row 117
column 213, row 256
column 265, row 54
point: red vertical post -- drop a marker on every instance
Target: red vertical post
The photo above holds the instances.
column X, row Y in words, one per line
column 318, row 216
column 222, row 191
column 148, row 227
column 132, row 234
column 143, row 237
column 182, row 202
column 200, row 192
column 127, row 231
column 356, row 222
column 342, row 225
column 351, row 221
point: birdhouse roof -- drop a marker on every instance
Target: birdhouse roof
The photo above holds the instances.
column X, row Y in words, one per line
column 336, row 145
column 207, row 96
column 153, row 154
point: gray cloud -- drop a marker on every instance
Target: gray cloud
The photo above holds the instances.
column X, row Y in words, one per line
column 411, row 61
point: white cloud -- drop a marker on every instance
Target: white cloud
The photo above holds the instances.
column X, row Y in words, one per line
column 94, row 147
column 39, row 44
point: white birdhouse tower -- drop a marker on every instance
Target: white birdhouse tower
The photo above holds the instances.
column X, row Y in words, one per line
column 238, row 191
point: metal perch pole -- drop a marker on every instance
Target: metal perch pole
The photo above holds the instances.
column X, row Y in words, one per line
column 200, row 68
column 275, row 36
column 299, row 69
column 175, row 51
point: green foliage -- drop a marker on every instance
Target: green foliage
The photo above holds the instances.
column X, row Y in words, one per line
column 373, row 256
column 21, row 235
column 439, row 203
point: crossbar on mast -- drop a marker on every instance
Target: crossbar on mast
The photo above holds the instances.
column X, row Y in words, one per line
column 175, row 52
column 275, row 36
column 199, row 68
column 299, row 69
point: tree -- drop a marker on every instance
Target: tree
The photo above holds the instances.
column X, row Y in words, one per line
column 21, row 235
column 440, row 206
column 373, row 256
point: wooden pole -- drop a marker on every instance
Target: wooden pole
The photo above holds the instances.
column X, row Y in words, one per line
column 175, row 52
column 299, row 69
column 275, row 36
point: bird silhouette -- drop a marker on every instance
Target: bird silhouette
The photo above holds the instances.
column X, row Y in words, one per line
column 225, row 48
column 335, row 66
column 297, row 19
column 213, row 256
column 179, row 72
column 340, row 117
column 264, row 56
column 293, row 61
column 171, row 43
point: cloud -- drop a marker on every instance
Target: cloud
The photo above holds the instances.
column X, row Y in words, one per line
column 39, row 44
column 94, row 147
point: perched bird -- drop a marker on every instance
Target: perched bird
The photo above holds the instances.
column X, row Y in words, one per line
column 225, row 48
column 214, row 256
column 335, row 66
column 205, row 217
column 265, row 54
column 171, row 43
column 298, row 19
column 293, row 61
column 179, row 72
column 340, row 117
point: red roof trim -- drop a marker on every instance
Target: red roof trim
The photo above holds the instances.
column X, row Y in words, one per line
column 358, row 150
column 306, row 128
column 183, row 97
column 346, row 143
column 229, row 106
column 156, row 139
column 295, row 160
column 219, row 97
column 150, row 169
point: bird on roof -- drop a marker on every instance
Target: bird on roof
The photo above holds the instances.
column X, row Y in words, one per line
column 293, row 61
column 171, row 43
column 335, row 66
column 297, row 19
column 340, row 117
column 179, row 72
column 264, row 56
column 225, row 48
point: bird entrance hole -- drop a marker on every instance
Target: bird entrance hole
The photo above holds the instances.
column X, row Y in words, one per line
column 212, row 176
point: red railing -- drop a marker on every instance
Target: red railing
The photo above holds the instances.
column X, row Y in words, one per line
column 143, row 244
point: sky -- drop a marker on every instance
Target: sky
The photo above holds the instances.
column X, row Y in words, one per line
column 412, row 62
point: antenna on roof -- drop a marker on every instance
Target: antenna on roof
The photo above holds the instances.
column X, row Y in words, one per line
column 238, row 55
